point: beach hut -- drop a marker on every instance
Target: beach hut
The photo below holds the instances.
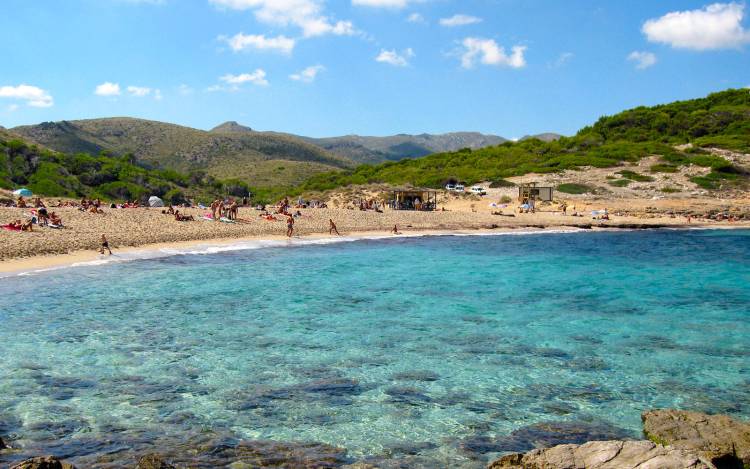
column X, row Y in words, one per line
column 154, row 201
column 22, row 192
column 531, row 191
column 413, row 199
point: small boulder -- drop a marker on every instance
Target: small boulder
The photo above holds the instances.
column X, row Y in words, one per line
column 153, row 461
column 2, row 444
column 717, row 438
column 603, row 455
column 43, row 462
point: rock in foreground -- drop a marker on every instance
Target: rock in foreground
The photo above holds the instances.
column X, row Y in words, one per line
column 603, row 455
column 153, row 461
column 717, row 438
column 43, row 462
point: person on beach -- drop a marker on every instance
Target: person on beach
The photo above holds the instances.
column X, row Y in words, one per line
column 395, row 230
column 105, row 245
column 332, row 228
column 289, row 226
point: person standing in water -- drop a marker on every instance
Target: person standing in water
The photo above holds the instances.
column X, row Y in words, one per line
column 289, row 226
column 105, row 245
column 332, row 228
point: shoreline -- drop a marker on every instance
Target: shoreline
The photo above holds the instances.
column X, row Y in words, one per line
column 82, row 258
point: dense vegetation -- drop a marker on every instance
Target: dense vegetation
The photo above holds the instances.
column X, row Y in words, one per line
column 720, row 120
column 110, row 178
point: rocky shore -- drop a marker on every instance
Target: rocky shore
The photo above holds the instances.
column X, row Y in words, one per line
column 675, row 440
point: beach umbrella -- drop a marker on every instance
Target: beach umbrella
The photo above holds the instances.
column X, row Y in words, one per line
column 154, row 201
column 23, row 191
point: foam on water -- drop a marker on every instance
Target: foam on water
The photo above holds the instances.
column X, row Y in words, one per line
column 430, row 351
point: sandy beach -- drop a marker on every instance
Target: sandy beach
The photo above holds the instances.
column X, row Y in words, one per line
column 128, row 229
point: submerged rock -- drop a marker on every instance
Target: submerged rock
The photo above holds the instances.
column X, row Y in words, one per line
column 718, row 438
column 603, row 455
column 43, row 462
column 153, row 461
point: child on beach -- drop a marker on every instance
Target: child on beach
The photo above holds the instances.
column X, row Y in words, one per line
column 105, row 245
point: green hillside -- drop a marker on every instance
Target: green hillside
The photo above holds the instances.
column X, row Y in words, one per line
column 719, row 120
column 252, row 156
column 51, row 173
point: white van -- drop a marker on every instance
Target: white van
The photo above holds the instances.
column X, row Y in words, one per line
column 459, row 188
column 478, row 190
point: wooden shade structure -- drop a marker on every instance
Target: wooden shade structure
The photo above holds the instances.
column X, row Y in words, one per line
column 413, row 199
column 532, row 191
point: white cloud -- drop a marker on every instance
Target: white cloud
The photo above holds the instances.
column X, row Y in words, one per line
column 643, row 60
column 305, row 14
column 240, row 42
column 562, row 59
column 34, row 96
column 139, row 91
column 394, row 58
column 185, row 90
column 416, row 18
column 157, row 95
column 459, row 20
column 107, row 89
column 258, row 77
column 307, row 75
column 488, row 52
column 382, row 3
column 716, row 26
column 13, row 107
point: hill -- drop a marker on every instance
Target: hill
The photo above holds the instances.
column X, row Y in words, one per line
column 719, row 120
column 545, row 137
column 231, row 150
column 231, row 127
column 397, row 147
column 52, row 173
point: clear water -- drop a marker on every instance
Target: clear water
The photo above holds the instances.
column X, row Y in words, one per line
column 433, row 351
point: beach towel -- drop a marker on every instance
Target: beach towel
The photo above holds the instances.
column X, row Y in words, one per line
column 57, row 227
column 226, row 220
column 10, row 228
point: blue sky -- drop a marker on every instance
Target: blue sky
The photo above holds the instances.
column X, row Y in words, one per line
column 370, row 67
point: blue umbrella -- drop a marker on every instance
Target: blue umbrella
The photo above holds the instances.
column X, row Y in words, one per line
column 23, row 191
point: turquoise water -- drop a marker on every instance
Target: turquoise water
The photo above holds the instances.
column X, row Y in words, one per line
column 410, row 352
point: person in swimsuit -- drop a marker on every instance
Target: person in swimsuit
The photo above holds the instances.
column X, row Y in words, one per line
column 105, row 245
column 332, row 228
column 289, row 226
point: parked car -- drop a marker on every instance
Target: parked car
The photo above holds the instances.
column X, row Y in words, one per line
column 459, row 188
column 479, row 190
column 450, row 187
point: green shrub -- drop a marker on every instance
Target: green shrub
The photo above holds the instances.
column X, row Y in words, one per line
column 663, row 168
column 633, row 176
column 572, row 188
column 670, row 190
column 506, row 199
column 620, row 182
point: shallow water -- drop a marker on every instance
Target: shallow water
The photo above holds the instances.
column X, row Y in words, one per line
column 410, row 352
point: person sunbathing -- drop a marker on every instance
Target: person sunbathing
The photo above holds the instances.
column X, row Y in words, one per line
column 21, row 202
column 28, row 225
column 55, row 219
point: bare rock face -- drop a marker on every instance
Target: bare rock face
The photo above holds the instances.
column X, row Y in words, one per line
column 604, row 455
column 43, row 462
column 2, row 444
column 717, row 438
column 153, row 461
